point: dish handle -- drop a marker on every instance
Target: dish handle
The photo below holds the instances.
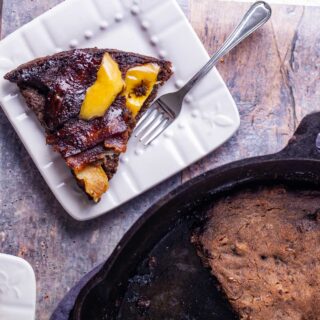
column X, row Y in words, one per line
column 305, row 142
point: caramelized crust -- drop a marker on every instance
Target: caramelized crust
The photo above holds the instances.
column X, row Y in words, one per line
column 65, row 77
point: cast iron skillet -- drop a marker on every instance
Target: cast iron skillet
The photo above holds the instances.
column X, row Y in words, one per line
column 154, row 273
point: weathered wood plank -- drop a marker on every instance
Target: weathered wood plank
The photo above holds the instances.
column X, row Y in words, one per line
column 272, row 76
column 18, row 12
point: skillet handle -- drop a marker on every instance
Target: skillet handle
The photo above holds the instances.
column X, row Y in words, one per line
column 305, row 143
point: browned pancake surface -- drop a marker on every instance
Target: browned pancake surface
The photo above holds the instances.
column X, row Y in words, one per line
column 264, row 249
column 54, row 88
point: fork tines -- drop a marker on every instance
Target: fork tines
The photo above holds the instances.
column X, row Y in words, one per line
column 152, row 123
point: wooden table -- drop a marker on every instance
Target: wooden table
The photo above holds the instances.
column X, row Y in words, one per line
column 274, row 78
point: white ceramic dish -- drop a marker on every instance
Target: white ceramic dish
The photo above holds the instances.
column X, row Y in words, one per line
column 17, row 289
column 152, row 27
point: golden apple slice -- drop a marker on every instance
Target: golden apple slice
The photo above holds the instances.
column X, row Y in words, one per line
column 103, row 92
column 140, row 81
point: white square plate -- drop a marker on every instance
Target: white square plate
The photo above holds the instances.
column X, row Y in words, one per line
column 152, row 27
column 17, row 289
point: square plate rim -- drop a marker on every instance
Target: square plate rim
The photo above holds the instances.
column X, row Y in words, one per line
column 51, row 11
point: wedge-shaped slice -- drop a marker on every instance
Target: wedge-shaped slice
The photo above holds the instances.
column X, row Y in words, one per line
column 262, row 245
column 103, row 92
column 88, row 101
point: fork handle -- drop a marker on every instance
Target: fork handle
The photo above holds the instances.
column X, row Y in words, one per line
column 258, row 14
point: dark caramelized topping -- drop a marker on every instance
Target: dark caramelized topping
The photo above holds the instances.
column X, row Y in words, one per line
column 141, row 89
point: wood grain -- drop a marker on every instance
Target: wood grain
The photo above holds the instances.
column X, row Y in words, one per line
column 273, row 77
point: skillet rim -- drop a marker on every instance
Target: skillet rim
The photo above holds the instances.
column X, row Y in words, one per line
column 301, row 150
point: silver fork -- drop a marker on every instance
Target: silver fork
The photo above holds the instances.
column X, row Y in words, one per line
column 167, row 108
